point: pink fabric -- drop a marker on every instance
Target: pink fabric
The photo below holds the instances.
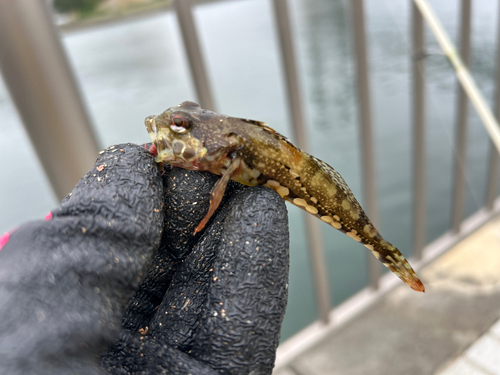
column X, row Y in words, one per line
column 4, row 239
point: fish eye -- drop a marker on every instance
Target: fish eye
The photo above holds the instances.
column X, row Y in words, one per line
column 179, row 124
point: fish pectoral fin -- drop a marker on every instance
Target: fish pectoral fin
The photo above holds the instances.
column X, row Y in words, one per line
column 218, row 192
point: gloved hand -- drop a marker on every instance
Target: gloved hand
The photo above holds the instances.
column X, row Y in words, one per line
column 114, row 281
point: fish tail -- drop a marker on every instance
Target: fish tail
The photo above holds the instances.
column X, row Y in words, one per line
column 392, row 258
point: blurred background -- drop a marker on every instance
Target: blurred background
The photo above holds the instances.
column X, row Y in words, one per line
column 129, row 60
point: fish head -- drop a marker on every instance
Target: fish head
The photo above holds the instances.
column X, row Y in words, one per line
column 190, row 137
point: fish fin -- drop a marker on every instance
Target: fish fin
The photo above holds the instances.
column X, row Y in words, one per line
column 397, row 264
column 270, row 130
column 263, row 126
column 258, row 123
column 218, row 192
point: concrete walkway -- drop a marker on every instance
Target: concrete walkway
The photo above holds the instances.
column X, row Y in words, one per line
column 452, row 329
column 482, row 358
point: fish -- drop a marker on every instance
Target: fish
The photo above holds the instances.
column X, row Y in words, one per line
column 252, row 153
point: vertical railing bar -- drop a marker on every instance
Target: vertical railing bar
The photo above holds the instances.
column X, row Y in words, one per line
column 461, row 125
column 42, row 85
column 193, row 51
column 493, row 169
column 367, row 153
column 288, row 57
column 493, row 176
column 419, row 178
column 313, row 231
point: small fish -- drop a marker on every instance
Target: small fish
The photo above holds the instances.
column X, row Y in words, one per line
column 250, row 152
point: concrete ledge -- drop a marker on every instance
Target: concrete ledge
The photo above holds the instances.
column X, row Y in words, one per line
column 418, row 334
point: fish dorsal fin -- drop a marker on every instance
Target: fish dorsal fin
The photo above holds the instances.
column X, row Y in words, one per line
column 258, row 123
column 270, row 130
column 253, row 122
column 264, row 126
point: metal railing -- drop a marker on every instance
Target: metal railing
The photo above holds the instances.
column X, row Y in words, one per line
column 313, row 231
column 42, row 85
column 493, row 170
column 419, row 178
column 365, row 124
column 50, row 114
column 193, row 52
column 461, row 127
column 423, row 254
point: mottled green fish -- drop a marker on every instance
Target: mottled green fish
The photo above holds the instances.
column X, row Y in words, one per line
column 252, row 153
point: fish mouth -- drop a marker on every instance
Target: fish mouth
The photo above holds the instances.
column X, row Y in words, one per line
column 161, row 141
column 164, row 156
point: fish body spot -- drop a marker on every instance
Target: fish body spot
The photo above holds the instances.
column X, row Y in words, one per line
column 401, row 258
column 300, row 202
column 346, row 205
column 337, row 225
column 388, row 257
column 354, row 215
column 336, row 222
column 283, row 191
column 370, row 231
column 255, row 173
column 311, row 209
column 387, row 245
column 354, row 235
column 273, row 184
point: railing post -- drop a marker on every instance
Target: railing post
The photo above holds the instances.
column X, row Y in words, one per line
column 314, row 236
column 365, row 129
column 193, row 51
column 461, row 127
column 42, row 86
column 492, row 191
column 419, row 178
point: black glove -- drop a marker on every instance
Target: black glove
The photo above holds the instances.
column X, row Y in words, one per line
column 116, row 282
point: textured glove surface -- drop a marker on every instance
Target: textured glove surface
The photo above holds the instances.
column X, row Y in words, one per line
column 117, row 281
